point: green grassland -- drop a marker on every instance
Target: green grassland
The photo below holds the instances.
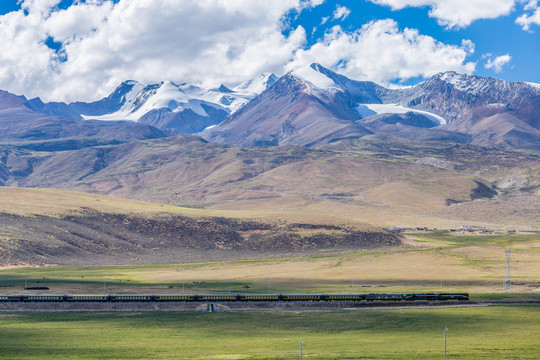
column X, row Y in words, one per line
column 473, row 333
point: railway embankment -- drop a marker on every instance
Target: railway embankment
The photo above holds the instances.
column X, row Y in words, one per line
column 16, row 307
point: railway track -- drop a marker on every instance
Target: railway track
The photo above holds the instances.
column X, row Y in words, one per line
column 217, row 306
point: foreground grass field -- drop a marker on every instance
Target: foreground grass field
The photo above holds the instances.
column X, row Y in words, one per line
column 474, row 333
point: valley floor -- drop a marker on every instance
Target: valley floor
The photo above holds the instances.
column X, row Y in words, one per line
column 429, row 261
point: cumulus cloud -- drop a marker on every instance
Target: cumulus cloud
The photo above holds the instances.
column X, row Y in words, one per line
column 456, row 13
column 530, row 18
column 341, row 13
column 497, row 63
column 380, row 52
column 103, row 43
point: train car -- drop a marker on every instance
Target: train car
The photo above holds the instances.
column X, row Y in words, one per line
column 218, row 297
column 421, row 296
column 181, row 297
column 302, row 297
column 344, row 297
column 453, row 296
column 260, row 297
column 384, row 297
column 87, row 298
column 128, row 298
column 8, row 298
column 44, row 298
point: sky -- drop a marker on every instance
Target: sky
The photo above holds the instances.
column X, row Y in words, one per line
column 70, row 50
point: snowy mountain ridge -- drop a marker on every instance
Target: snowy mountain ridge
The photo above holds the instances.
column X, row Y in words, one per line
column 480, row 85
column 166, row 104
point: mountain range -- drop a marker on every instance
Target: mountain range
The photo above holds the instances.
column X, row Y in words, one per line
column 313, row 105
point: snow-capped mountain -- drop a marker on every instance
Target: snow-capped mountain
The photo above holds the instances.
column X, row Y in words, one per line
column 453, row 96
column 370, row 98
column 304, row 108
column 316, row 76
column 311, row 106
column 314, row 105
column 183, row 107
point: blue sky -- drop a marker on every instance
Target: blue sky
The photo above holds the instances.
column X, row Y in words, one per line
column 80, row 50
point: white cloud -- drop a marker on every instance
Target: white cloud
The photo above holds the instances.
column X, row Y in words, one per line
column 204, row 41
column 456, row 13
column 497, row 63
column 532, row 18
column 146, row 40
column 39, row 6
column 341, row 13
column 531, row 4
column 380, row 52
column 77, row 22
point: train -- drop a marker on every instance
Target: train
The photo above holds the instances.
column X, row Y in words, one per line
column 234, row 297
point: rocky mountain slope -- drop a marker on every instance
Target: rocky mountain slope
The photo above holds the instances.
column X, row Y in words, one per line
column 437, row 154
column 25, row 128
column 410, row 147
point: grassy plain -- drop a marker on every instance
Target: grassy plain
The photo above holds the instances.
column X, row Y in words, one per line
column 429, row 261
column 474, row 333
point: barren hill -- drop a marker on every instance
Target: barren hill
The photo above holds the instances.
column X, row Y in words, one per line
column 46, row 233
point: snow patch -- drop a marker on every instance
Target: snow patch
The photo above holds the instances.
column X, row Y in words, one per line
column 309, row 74
column 373, row 109
column 535, row 85
column 257, row 85
column 496, row 105
column 209, row 127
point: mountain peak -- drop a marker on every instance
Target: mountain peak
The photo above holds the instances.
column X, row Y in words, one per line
column 316, row 75
column 222, row 88
column 126, row 87
column 258, row 84
column 131, row 82
column 318, row 67
column 268, row 78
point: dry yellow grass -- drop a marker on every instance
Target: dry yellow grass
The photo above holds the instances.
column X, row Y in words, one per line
column 430, row 265
column 375, row 209
column 25, row 201
column 31, row 201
